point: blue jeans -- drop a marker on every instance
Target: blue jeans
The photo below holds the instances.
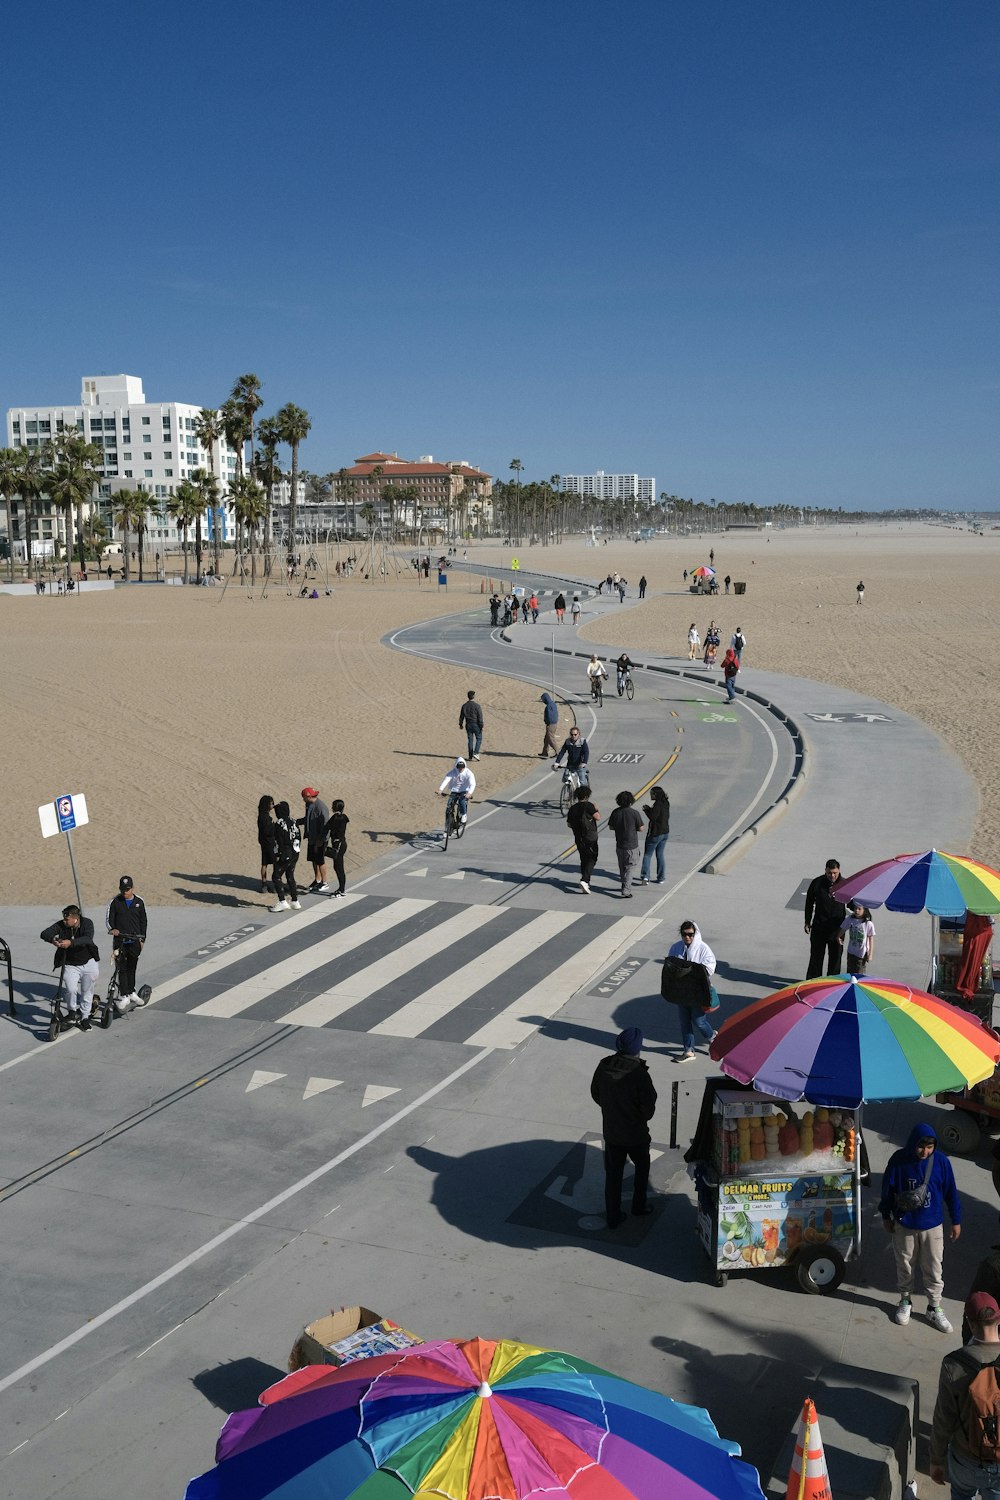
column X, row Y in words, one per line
column 969, row 1479
column 655, row 845
column 461, row 803
column 731, row 687
column 475, row 738
column 689, row 1020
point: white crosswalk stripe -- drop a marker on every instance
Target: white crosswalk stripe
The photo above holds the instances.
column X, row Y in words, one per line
column 482, row 975
column 341, row 997
column 419, row 1014
column 242, row 996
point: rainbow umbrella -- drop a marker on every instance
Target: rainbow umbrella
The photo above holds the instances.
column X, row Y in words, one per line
column 703, row 572
column 946, row 885
column 472, row 1420
column 847, row 1038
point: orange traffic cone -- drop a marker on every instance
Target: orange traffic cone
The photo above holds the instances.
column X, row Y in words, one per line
column 808, row 1478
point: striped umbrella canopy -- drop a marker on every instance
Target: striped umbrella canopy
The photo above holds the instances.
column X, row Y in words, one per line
column 473, row 1420
column 848, row 1038
column 946, row 885
column 703, row 572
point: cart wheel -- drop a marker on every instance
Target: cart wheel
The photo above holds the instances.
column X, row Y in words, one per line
column 819, row 1268
column 722, row 1278
column 107, row 1015
column 959, row 1134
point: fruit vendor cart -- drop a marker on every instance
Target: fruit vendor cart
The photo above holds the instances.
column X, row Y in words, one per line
column 777, row 1186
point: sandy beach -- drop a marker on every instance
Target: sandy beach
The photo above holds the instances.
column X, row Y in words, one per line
column 175, row 709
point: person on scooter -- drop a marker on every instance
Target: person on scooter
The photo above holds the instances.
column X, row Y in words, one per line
column 76, row 954
column 126, row 922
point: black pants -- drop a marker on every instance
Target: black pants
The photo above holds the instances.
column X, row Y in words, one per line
column 284, row 879
column 587, row 850
column 615, row 1156
column 824, row 947
column 128, row 958
column 337, row 852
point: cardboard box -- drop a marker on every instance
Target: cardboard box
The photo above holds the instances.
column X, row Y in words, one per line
column 352, row 1333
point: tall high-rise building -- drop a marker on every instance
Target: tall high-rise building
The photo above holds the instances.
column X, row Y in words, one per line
column 151, row 444
column 601, row 486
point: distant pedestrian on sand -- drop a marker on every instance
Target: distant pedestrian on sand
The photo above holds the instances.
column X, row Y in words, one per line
column 622, row 585
column 559, row 606
column 694, row 641
column 711, row 555
column 313, row 825
column 738, row 643
column 551, row 719
column 470, row 718
column 642, row 587
column 861, row 592
column 727, row 581
column 623, row 1089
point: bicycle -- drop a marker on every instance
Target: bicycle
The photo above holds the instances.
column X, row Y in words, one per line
column 597, row 690
column 625, row 684
column 571, row 781
column 454, row 828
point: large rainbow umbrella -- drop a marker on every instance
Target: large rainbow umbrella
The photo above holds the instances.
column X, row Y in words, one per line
column 846, row 1038
column 946, row 885
column 474, row 1420
column 703, row 572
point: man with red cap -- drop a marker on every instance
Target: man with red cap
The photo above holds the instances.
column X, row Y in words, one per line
column 313, row 825
column 965, row 1439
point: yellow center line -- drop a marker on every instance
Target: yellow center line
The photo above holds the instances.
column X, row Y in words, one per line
column 642, row 790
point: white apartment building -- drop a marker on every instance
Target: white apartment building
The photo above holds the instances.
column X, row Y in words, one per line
column 601, row 486
column 147, row 443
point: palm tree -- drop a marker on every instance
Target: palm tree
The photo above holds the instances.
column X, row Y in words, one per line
column 293, row 424
column 267, row 470
column 129, row 510
column 10, row 485
column 207, row 489
column 208, row 430
column 249, row 504
column 184, row 506
column 32, row 484
column 234, row 425
column 71, row 485
column 247, row 397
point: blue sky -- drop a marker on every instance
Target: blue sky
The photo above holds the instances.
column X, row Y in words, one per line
column 749, row 248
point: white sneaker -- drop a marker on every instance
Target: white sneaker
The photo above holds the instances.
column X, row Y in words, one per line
column 279, row 906
column 123, row 1005
column 463, row 818
column 322, row 887
column 936, row 1318
column 585, row 887
column 295, row 905
column 475, row 757
column 902, row 1313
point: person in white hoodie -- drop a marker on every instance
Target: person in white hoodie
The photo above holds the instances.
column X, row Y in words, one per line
column 693, row 948
column 462, row 781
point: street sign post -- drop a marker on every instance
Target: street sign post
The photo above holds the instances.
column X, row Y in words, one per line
column 66, row 812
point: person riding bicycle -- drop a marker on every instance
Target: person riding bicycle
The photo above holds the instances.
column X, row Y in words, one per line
column 76, row 954
column 595, row 671
column 624, row 665
column 577, row 753
column 126, row 922
column 459, row 783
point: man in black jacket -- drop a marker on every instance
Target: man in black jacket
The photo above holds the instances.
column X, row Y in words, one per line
column 470, row 718
column 77, row 956
column 824, row 914
column 126, row 922
column 624, row 1090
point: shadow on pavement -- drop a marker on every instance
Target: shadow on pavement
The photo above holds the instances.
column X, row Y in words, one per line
column 236, row 1385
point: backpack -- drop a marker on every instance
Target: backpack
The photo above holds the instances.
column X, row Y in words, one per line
column 982, row 1416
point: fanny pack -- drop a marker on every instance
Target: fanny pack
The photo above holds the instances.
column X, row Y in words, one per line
column 914, row 1199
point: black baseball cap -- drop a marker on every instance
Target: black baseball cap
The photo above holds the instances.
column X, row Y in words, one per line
column 125, row 884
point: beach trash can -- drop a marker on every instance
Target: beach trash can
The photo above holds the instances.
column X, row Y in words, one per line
column 739, row 588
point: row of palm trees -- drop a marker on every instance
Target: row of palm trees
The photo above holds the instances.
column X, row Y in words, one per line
column 67, row 472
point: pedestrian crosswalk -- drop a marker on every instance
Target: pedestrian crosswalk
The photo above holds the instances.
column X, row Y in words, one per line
column 410, row 967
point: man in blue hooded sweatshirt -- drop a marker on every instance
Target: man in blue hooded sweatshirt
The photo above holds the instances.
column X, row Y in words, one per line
column 917, row 1185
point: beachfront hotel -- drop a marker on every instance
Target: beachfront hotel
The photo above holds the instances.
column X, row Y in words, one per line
column 601, row 486
column 147, row 443
column 450, row 498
